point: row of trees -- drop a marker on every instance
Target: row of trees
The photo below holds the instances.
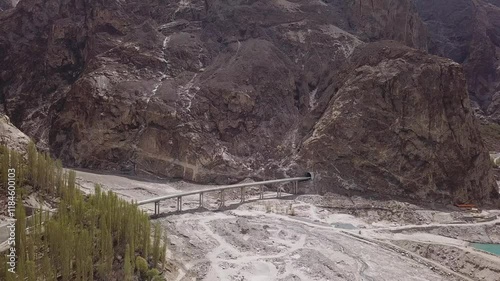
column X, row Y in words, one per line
column 89, row 237
column 39, row 170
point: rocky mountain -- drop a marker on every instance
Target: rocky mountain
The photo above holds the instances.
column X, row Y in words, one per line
column 400, row 119
column 468, row 32
column 219, row 90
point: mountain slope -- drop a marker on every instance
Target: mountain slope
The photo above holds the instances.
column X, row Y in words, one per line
column 468, row 31
column 209, row 91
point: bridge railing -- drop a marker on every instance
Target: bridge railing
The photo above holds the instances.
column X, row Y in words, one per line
column 179, row 196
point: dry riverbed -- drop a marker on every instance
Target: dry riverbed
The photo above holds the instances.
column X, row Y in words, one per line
column 311, row 237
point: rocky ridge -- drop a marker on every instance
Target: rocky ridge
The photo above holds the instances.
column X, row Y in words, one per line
column 468, row 32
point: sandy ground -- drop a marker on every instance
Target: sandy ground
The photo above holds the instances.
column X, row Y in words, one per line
column 310, row 237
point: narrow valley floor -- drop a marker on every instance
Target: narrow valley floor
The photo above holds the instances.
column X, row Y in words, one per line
column 310, row 237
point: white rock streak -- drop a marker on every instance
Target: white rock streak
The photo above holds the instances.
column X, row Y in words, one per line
column 313, row 101
column 185, row 92
column 182, row 5
column 163, row 76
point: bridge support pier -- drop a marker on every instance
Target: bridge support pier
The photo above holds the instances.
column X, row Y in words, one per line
column 242, row 194
column 261, row 192
column 295, row 187
column 201, row 199
column 179, row 203
column 222, row 199
column 157, row 207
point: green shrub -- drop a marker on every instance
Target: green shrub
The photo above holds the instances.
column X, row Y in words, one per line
column 141, row 265
column 158, row 278
column 152, row 273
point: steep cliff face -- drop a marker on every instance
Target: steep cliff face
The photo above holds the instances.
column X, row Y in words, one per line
column 11, row 136
column 388, row 19
column 198, row 87
column 468, row 31
column 400, row 122
column 209, row 91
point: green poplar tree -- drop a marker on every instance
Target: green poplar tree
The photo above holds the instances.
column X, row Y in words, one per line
column 127, row 265
column 5, row 162
column 47, row 269
column 163, row 254
column 20, row 238
column 156, row 244
column 146, row 228
column 31, row 270
column 32, row 161
column 106, row 254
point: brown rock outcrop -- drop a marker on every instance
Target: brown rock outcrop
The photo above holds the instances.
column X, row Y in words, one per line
column 400, row 124
column 388, row 19
column 468, row 31
column 11, row 137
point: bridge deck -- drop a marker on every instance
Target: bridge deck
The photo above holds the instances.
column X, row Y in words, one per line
column 179, row 196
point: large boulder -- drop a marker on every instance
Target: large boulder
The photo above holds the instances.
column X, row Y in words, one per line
column 400, row 123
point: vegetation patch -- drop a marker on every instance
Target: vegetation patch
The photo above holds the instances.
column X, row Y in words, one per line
column 89, row 237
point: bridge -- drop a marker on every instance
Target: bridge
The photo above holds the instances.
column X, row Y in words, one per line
column 221, row 189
